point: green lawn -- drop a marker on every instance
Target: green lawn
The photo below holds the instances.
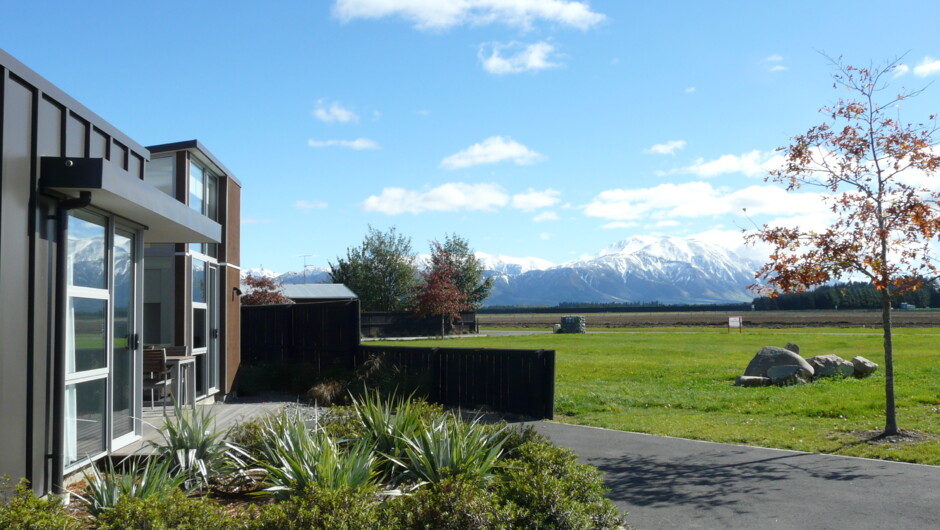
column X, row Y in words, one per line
column 680, row 382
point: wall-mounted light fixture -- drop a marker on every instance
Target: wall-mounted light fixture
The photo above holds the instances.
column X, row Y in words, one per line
column 236, row 292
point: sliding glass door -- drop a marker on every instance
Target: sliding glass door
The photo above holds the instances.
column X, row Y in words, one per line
column 102, row 393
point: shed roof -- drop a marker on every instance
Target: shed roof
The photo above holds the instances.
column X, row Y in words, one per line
column 317, row 290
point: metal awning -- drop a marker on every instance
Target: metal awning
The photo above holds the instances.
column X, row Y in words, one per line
column 115, row 190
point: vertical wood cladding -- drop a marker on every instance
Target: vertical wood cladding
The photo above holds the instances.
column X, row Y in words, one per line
column 17, row 457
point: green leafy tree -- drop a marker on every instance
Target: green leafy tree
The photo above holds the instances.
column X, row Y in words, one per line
column 381, row 271
column 468, row 271
column 871, row 169
column 440, row 294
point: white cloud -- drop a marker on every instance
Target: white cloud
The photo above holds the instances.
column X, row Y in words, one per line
column 442, row 14
column 772, row 63
column 490, row 151
column 253, row 221
column 668, row 148
column 690, row 90
column 533, row 200
column 752, row 164
column 545, row 216
column 519, row 57
column 310, row 205
column 619, row 224
column 901, row 69
column 698, row 199
column 545, row 236
column 358, row 144
column 733, row 240
column 450, row 197
column 928, row 66
column 666, row 224
column 334, row 113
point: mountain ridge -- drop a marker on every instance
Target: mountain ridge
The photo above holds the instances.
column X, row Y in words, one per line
column 662, row 269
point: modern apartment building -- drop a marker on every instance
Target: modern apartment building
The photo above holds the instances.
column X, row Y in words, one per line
column 105, row 245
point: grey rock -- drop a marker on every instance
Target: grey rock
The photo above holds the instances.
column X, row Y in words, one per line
column 769, row 356
column 863, row 367
column 792, row 346
column 746, row 380
column 787, row 375
column 831, row 366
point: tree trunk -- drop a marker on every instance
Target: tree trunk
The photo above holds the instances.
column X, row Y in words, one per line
column 442, row 325
column 891, row 423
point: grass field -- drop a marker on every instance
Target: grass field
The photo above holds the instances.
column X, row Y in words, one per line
column 680, row 382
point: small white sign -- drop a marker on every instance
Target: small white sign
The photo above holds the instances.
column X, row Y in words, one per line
column 735, row 322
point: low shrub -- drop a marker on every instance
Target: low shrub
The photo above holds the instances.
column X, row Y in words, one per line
column 550, row 489
column 451, row 504
column 318, row 508
column 176, row 511
column 20, row 509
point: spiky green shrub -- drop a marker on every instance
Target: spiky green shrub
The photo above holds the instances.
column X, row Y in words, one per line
column 296, row 458
column 176, row 511
column 152, row 480
column 550, row 489
column 20, row 509
column 318, row 508
column 453, row 503
column 451, row 447
column 387, row 423
column 193, row 445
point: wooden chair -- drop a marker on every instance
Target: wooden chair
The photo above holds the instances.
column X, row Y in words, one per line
column 157, row 374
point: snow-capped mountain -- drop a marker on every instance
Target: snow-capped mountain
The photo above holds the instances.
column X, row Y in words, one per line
column 498, row 264
column 640, row 269
column 668, row 270
column 313, row 275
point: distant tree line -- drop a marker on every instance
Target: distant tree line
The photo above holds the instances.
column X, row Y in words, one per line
column 853, row 295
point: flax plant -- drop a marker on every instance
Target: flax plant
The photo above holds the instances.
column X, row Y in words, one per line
column 152, row 480
column 452, row 447
column 296, row 458
column 388, row 423
column 193, row 445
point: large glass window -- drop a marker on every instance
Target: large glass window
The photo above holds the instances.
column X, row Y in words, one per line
column 161, row 174
column 87, row 252
column 196, row 190
column 87, row 340
column 85, row 427
column 89, row 335
column 123, row 343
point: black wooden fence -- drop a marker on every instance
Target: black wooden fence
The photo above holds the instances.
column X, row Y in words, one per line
column 295, row 344
column 321, row 334
column 405, row 324
column 516, row 381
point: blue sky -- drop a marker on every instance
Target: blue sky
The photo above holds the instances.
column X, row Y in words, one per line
column 532, row 128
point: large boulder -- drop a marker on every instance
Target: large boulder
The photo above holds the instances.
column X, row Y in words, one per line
column 770, row 356
column 789, row 374
column 863, row 367
column 746, row 380
column 831, row 366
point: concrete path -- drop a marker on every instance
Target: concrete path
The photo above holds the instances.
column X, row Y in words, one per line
column 676, row 483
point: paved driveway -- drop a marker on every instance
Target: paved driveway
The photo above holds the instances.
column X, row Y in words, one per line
column 676, row 483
